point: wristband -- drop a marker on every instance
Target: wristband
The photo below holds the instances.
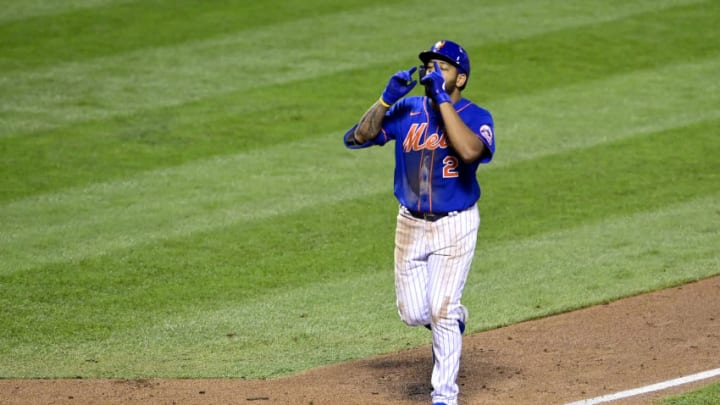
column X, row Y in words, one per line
column 442, row 98
column 383, row 103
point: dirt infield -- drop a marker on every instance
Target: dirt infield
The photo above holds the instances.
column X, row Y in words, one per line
column 584, row 354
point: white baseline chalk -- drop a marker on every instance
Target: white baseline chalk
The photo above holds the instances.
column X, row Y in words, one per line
column 649, row 388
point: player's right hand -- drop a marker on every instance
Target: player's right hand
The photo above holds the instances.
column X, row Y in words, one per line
column 400, row 84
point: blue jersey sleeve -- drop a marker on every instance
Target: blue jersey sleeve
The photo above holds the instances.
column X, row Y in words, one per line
column 484, row 128
column 350, row 143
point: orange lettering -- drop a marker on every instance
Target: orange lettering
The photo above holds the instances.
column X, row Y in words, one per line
column 413, row 137
column 432, row 142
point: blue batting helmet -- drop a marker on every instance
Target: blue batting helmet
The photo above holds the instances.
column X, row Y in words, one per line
column 450, row 52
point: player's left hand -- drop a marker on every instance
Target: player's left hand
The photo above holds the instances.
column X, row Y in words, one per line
column 435, row 84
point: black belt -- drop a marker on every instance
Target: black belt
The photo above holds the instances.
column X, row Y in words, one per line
column 428, row 216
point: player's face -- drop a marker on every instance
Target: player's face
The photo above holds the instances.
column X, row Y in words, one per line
column 453, row 79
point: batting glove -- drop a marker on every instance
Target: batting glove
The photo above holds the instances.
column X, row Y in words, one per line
column 399, row 85
column 435, row 84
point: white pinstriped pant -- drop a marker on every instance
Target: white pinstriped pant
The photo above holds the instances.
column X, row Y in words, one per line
column 432, row 262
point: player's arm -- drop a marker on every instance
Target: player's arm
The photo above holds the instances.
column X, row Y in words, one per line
column 463, row 139
column 369, row 126
column 465, row 142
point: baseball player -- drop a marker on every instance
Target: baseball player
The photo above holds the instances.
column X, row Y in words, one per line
column 440, row 140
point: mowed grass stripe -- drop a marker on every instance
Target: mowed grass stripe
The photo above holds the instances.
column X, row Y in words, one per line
column 590, row 113
column 81, row 30
column 321, row 323
column 22, row 10
column 598, row 261
column 104, row 217
column 596, row 51
column 216, row 193
column 134, row 81
column 608, row 180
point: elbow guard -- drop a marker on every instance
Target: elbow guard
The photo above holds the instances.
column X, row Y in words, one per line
column 350, row 140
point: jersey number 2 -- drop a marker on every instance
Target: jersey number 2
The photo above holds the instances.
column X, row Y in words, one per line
column 450, row 163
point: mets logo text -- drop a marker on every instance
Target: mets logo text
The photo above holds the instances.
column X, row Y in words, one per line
column 431, row 142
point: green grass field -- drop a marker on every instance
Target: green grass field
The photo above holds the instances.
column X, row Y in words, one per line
column 176, row 201
column 709, row 395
